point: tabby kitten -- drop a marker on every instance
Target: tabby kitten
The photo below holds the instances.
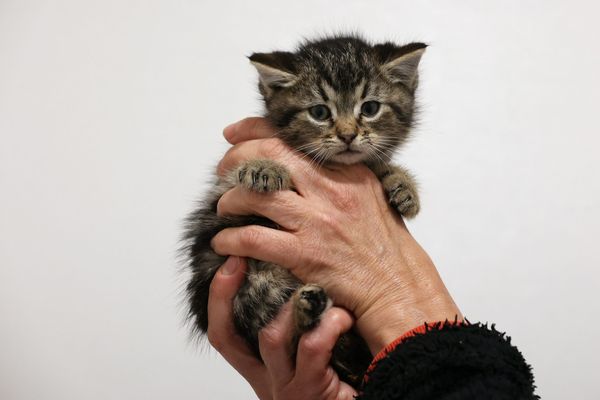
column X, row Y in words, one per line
column 338, row 100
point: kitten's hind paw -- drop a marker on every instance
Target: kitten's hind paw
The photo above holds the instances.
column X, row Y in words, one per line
column 263, row 176
column 309, row 303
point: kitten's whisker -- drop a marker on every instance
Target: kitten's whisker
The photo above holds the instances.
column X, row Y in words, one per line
column 320, row 157
column 308, row 150
column 373, row 153
column 378, row 152
column 385, row 140
column 306, row 146
column 311, row 154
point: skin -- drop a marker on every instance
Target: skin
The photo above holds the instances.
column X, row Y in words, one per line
column 277, row 377
column 336, row 230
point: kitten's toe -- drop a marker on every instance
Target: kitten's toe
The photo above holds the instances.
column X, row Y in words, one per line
column 263, row 176
column 405, row 201
column 310, row 301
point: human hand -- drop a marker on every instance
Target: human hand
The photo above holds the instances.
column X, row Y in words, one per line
column 336, row 230
column 310, row 377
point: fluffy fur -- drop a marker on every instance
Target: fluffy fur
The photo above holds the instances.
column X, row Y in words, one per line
column 337, row 100
column 452, row 361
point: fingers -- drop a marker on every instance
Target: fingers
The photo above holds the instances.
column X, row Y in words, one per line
column 274, row 342
column 283, row 207
column 270, row 148
column 253, row 138
column 248, row 129
column 221, row 331
column 301, row 168
column 272, row 245
column 316, row 346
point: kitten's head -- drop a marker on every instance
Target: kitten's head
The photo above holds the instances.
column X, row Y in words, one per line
column 341, row 99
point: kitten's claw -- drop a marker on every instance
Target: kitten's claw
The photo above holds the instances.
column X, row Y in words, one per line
column 263, row 176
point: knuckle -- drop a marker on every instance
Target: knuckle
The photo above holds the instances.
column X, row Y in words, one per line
column 312, row 344
column 271, row 338
column 252, row 124
column 284, row 202
column 325, row 219
column 217, row 245
column 272, row 147
column 250, row 237
column 333, row 317
column 228, row 161
column 234, row 202
column 258, row 127
column 337, row 317
column 329, row 222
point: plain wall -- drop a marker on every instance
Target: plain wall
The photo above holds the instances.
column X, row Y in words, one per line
column 111, row 115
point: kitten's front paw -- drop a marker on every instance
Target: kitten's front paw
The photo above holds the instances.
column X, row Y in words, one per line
column 309, row 302
column 263, row 176
column 405, row 200
column 402, row 193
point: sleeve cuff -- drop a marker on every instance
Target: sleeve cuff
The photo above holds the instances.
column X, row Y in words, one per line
column 419, row 330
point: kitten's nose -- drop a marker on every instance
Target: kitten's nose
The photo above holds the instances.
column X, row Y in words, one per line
column 347, row 137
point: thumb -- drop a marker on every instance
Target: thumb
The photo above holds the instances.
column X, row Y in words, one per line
column 248, row 129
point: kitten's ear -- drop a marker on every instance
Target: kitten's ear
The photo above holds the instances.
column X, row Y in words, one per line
column 276, row 70
column 400, row 64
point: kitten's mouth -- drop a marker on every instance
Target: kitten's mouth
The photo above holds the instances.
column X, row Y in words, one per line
column 348, row 156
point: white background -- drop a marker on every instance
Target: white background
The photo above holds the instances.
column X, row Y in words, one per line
column 110, row 125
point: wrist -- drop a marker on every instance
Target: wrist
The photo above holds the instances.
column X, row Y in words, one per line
column 392, row 316
column 408, row 293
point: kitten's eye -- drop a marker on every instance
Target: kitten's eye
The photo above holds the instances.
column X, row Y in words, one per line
column 369, row 108
column 319, row 112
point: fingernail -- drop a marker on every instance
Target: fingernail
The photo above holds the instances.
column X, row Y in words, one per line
column 230, row 266
column 229, row 130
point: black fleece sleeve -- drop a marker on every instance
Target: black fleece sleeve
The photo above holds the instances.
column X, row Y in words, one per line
column 451, row 362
